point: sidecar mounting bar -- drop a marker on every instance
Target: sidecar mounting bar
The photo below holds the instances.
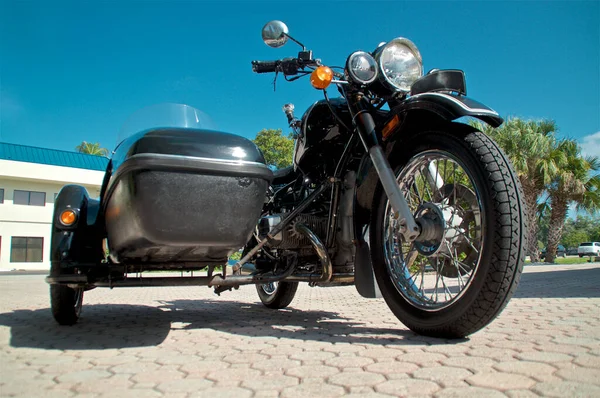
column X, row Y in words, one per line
column 217, row 280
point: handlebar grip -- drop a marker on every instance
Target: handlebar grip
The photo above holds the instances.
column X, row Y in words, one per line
column 264, row 66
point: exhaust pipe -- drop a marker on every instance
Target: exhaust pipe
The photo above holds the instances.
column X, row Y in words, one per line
column 321, row 252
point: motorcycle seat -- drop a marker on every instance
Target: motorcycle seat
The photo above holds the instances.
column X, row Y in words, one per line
column 284, row 176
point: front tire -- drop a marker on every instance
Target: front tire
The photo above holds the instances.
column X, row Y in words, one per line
column 473, row 256
column 66, row 304
column 277, row 295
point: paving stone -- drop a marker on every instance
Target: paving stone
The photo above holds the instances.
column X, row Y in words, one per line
column 379, row 353
column 274, row 382
column 245, row 358
column 407, row 387
column 135, row 367
column 234, row 374
column 116, row 360
column 312, row 356
column 536, row 370
column 421, row 358
column 222, row 392
column 499, row 354
column 312, row 390
column 443, row 375
column 144, row 393
column 101, row 386
column 585, row 375
column 344, row 347
column 157, row 376
column 562, row 348
column 203, row 366
column 389, row 368
column 22, row 388
column 360, row 390
column 448, row 349
column 548, row 357
column 521, row 394
column 279, row 364
column 349, row 362
column 312, row 371
column 83, row 376
column 469, row 392
column 356, row 379
column 184, row 385
column 589, row 361
column 500, row 381
column 563, row 389
column 472, row 363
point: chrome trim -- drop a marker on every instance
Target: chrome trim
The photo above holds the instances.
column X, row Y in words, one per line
column 353, row 76
column 411, row 46
column 459, row 103
column 321, row 251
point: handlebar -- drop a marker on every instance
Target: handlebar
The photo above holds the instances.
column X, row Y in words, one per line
column 265, row 66
column 289, row 66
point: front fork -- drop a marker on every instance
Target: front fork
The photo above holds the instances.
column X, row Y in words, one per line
column 365, row 126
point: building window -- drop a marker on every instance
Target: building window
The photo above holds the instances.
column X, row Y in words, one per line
column 29, row 198
column 26, row 250
column 1, row 195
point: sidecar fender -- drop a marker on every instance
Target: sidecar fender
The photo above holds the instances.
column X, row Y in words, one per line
column 78, row 244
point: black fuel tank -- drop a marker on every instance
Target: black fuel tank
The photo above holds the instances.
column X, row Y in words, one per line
column 322, row 141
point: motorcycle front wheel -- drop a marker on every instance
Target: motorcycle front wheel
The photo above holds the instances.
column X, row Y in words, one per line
column 466, row 265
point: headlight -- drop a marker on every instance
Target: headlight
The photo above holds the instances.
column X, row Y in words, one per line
column 400, row 63
column 362, row 67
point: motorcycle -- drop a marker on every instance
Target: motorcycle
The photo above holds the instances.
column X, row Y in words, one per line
column 387, row 192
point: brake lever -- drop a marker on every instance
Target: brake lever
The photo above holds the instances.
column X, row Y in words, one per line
column 275, row 79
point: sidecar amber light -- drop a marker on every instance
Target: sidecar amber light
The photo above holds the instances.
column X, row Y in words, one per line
column 321, row 77
column 68, row 217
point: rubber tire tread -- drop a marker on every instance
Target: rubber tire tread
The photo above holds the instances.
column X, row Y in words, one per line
column 504, row 263
column 62, row 301
column 283, row 295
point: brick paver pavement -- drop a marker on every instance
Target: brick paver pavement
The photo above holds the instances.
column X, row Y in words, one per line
column 184, row 342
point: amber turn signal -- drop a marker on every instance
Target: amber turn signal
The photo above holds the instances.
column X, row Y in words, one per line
column 321, row 77
column 68, row 217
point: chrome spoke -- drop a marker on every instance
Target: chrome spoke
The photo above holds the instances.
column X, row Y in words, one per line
column 435, row 273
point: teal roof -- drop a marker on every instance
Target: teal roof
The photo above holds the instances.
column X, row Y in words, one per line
column 53, row 157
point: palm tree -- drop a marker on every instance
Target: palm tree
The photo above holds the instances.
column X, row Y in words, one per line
column 91, row 149
column 531, row 147
column 575, row 183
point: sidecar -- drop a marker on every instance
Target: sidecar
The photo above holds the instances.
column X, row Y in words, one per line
column 171, row 199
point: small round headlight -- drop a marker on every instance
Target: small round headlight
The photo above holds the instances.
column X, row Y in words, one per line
column 362, row 67
column 400, row 63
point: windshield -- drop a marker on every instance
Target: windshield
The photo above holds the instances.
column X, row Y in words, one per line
column 165, row 115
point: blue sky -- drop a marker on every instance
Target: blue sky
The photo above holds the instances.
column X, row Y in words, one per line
column 73, row 71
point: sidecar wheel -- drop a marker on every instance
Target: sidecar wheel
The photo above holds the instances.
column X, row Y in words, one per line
column 66, row 304
column 277, row 295
column 461, row 275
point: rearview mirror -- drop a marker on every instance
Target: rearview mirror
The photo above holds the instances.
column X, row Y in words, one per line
column 274, row 34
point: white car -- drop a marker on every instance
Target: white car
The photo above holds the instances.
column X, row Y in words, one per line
column 589, row 249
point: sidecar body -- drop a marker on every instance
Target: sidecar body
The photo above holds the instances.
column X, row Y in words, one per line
column 172, row 198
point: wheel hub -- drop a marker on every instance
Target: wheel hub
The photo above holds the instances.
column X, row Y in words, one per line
column 431, row 219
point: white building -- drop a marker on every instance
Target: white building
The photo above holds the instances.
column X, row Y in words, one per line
column 30, row 179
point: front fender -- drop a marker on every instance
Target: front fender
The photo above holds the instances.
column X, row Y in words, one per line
column 449, row 107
